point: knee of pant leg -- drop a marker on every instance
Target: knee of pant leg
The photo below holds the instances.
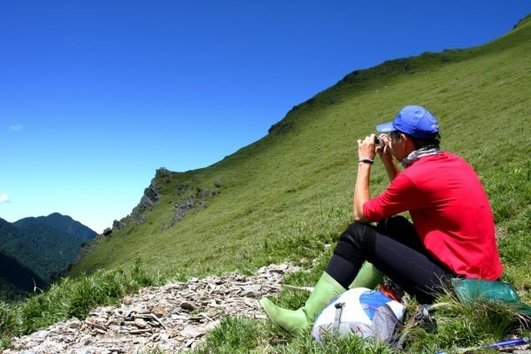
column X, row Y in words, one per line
column 357, row 234
column 355, row 242
column 388, row 225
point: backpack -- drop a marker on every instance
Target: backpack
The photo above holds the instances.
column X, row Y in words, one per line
column 468, row 290
column 361, row 311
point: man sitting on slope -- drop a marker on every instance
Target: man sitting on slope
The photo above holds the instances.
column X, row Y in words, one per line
column 452, row 234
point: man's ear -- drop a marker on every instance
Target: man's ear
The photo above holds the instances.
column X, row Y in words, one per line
column 406, row 140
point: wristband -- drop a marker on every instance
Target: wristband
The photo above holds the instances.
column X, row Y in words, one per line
column 366, row 160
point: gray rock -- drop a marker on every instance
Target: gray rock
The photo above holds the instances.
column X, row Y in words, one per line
column 172, row 318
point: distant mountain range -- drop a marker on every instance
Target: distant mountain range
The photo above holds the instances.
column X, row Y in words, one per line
column 59, row 222
column 35, row 249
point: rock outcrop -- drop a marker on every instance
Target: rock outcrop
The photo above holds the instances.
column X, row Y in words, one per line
column 188, row 196
column 192, row 198
column 150, row 197
column 147, row 202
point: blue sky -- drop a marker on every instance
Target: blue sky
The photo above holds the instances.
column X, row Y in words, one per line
column 96, row 95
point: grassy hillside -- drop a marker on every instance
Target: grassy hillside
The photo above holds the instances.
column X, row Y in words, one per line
column 289, row 193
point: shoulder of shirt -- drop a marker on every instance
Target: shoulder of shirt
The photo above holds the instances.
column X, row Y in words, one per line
column 444, row 155
column 417, row 171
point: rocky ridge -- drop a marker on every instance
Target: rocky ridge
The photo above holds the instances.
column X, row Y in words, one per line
column 187, row 197
column 171, row 318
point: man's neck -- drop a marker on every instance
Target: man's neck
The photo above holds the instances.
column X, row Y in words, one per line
column 417, row 154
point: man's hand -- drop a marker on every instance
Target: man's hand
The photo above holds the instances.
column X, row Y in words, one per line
column 384, row 149
column 385, row 152
column 366, row 148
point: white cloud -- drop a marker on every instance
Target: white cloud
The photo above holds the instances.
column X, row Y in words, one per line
column 4, row 198
column 16, row 127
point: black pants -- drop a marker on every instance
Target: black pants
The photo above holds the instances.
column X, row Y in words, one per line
column 394, row 248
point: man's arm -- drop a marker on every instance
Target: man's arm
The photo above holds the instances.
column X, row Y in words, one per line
column 391, row 168
column 361, row 191
column 366, row 153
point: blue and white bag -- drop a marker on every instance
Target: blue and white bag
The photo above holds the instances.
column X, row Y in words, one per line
column 361, row 311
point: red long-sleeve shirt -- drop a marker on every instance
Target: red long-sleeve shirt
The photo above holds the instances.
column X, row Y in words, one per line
column 450, row 211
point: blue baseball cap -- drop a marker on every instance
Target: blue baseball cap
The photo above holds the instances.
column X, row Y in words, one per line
column 413, row 120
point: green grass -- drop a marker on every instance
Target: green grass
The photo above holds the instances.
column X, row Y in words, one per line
column 289, row 194
column 462, row 326
column 242, row 335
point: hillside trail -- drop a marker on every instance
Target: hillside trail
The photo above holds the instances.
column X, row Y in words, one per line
column 174, row 317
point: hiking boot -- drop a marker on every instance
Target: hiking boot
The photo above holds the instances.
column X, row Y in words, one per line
column 299, row 321
column 368, row 277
